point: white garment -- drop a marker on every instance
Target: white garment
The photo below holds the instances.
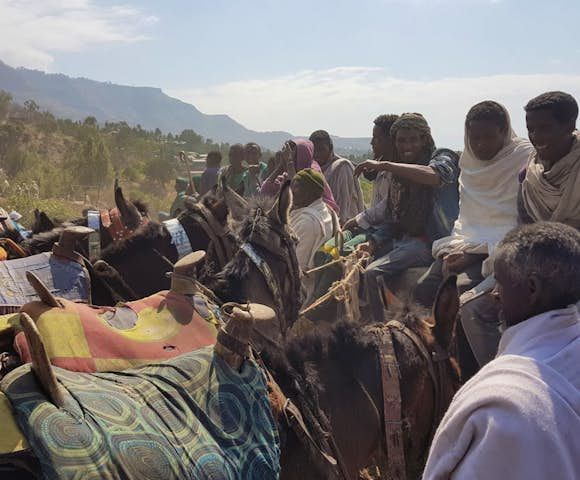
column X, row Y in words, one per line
column 345, row 187
column 519, row 417
column 488, row 193
column 375, row 214
column 313, row 227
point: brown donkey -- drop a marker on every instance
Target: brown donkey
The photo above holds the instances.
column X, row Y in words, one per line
column 336, row 382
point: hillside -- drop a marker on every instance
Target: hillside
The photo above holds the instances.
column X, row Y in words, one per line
column 78, row 98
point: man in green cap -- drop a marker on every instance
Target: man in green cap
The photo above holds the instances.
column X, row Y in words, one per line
column 181, row 185
column 310, row 218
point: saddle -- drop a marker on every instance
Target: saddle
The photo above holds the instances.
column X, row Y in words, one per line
column 113, row 222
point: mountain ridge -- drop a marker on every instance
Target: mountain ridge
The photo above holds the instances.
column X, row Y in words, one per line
column 150, row 107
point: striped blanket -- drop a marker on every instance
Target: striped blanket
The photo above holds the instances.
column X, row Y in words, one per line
column 191, row 417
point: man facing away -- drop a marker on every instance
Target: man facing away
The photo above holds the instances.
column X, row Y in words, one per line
column 338, row 172
column 209, row 177
column 519, row 416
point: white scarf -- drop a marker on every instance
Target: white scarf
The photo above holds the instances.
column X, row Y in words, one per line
column 488, row 193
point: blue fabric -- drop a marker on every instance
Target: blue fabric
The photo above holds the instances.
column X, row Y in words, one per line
column 209, row 179
column 191, row 417
column 64, row 278
column 446, row 196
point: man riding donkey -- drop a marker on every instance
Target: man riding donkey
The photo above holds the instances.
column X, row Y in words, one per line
column 492, row 158
column 519, row 416
column 420, row 207
column 549, row 190
column 338, row 172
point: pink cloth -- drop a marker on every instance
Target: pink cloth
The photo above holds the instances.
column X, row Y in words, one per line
column 304, row 159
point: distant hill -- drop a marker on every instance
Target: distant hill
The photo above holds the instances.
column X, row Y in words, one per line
column 77, row 98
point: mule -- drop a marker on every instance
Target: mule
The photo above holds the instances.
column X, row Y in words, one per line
column 336, row 381
column 325, row 396
column 46, row 231
column 144, row 259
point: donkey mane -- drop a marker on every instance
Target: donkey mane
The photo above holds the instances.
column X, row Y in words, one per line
column 145, row 237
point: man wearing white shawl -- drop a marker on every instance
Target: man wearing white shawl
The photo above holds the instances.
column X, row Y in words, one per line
column 519, row 417
column 551, row 187
column 488, row 187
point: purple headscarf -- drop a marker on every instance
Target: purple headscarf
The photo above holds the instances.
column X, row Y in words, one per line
column 304, row 159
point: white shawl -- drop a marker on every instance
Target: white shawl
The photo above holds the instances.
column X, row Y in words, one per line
column 519, row 417
column 488, row 193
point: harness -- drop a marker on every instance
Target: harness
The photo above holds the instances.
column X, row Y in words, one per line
column 217, row 234
column 392, row 405
column 112, row 221
column 179, row 237
column 248, row 248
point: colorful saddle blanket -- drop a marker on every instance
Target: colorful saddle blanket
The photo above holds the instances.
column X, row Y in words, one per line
column 63, row 277
column 85, row 338
column 192, row 417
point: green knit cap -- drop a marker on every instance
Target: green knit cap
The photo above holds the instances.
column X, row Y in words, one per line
column 310, row 180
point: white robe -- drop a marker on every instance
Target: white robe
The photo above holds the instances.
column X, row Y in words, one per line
column 488, row 193
column 345, row 187
column 313, row 227
column 519, row 417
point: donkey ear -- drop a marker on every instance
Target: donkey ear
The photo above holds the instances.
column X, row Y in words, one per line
column 445, row 311
column 129, row 212
column 284, row 203
column 237, row 205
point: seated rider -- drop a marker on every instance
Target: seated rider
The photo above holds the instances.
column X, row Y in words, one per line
column 310, row 219
column 421, row 205
column 256, row 169
column 368, row 223
column 181, row 185
column 519, row 416
column 492, row 158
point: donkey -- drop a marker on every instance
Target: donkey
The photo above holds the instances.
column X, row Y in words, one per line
column 335, row 380
column 144, row 259
column 46, row 231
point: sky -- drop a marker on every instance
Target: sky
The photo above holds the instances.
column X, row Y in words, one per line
column 304, row 65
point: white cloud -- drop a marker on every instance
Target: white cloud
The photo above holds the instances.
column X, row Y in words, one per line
column 31, row 31
column 345, row 100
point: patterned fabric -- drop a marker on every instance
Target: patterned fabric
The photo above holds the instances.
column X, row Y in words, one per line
column 84, row 338
column 179, row 237
column 192, row 417
column 63, row 277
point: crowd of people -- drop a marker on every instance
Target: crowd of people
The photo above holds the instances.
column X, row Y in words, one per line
column 503, row 216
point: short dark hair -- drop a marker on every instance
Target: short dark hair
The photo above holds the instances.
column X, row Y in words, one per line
column 321, row 136
column 563, row 106
column 236, row 147
column 488, row 111
column 551, row 252
column 385, row 122
column 214, row 158
column 253, row 146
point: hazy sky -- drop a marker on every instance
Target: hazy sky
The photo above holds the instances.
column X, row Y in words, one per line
column 303, row 65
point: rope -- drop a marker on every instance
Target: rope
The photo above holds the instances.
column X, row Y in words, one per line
column 338, row 286
column 322, row 267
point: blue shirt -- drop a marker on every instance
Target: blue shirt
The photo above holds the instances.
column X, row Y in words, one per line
column 445, row 196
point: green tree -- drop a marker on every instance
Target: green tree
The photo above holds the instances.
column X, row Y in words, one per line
column 94, row 162
column 5, row 101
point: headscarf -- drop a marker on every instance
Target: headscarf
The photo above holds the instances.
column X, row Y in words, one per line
column 311, row 181
column 554, row 195
column 415, row 121
column 304, row 159
column 488, row 193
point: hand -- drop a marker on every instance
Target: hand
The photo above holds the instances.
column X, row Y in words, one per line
column 365, row 247
column 369, row 166
column 350, row 224
column 455, row 263
column 253, row 169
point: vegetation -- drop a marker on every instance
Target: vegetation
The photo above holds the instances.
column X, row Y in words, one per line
column 63, row 166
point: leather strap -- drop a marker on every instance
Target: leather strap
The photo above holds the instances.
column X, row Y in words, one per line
column 392, row 411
